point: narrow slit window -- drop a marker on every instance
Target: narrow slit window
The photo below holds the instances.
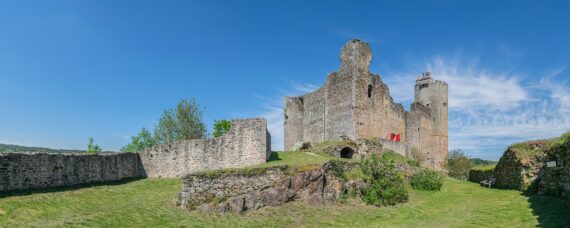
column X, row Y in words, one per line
column 369, row 91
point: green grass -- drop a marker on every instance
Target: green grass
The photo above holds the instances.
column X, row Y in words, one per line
column 149, row 203
column 391, row 155
column 299, row 159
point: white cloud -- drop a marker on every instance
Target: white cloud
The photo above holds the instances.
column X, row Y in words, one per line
column 490, row 110
column 469, row 86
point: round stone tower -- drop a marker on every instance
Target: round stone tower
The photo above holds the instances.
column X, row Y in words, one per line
column 434, row 95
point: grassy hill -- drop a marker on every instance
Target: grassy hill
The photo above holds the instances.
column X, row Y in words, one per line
column 5, row 148
column 150, row 203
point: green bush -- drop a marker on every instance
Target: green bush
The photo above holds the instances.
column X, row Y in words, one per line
column 338, row 169
column 221, row 127
column 385, row 183
column 427, row 180
column 458, row 164
column 92, row 148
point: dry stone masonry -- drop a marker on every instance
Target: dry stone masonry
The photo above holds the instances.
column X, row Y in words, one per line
column 42, row 170
column 247, row 143
column 355, row 104
column 520, row 165
column 556, row 175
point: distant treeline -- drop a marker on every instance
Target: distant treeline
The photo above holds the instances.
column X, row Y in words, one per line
column 481, row 162
column 4, row 148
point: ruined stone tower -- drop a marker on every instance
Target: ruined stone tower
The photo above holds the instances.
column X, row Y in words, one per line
column 356, row 104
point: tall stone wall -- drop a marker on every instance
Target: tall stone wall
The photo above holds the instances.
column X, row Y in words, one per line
column 294, row 112
column 314, row 116
column 418, row 129
column 246, row 144
column 40, row 170
column 434, row 95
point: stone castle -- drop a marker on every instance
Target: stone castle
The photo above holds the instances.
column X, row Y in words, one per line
column 355, row 104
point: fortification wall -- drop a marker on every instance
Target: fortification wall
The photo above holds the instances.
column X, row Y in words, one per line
column 294, row 112
column 314, row 116
column 40, row 170
column 246, row 144
column 339, row 117
column 418, row 132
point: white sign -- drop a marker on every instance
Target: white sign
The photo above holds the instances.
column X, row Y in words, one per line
column 551, row 164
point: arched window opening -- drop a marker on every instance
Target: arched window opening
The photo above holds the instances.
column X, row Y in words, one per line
column 369, row 91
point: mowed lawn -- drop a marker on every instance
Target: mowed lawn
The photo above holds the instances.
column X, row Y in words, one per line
column 150, row 203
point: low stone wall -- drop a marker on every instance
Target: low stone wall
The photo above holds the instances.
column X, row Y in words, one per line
column 257, row 188
column 247, row 143
column 477, row 175
column 40, row 170
column 398, row 147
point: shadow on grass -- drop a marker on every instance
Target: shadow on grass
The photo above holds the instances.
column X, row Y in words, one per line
column 64, row 188
column 274, row 157
column 550, row 211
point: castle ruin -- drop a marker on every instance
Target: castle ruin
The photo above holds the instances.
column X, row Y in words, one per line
column 355, row 104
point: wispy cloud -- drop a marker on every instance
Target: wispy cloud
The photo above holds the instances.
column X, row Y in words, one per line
column 492, row 109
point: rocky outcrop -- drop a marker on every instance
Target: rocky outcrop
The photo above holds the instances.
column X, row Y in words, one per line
column 257, row 188
column 251, row 189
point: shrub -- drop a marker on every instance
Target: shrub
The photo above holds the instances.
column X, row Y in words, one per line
column 385, row 183
column 337, row 167
column 418, row 156
column 427, row 180
column 93, row 148
column 221, row 127
column 458, row 164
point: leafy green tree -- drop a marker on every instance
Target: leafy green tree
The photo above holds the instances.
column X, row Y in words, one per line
column 221, row 127
column 458, row 164
column 182, row 123
column 93, row 148
column 143, row 140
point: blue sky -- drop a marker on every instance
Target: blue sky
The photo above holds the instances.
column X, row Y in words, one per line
column 70, row 70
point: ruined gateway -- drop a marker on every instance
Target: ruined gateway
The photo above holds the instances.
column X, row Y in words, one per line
column 355, row 104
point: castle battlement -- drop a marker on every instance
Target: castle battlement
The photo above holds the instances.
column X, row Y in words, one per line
column 356, row 104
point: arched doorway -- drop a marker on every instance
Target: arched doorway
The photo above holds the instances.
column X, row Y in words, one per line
column 346, row 152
